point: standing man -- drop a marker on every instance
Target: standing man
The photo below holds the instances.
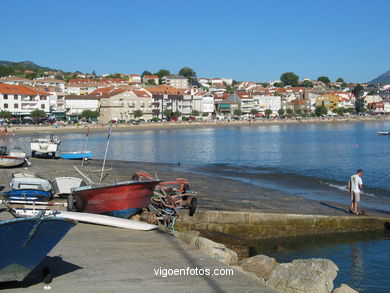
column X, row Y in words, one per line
column 354, row 186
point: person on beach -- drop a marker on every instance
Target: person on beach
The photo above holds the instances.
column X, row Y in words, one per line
column 354, row 186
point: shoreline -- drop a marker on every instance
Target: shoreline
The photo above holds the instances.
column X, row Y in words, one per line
column 188, row 125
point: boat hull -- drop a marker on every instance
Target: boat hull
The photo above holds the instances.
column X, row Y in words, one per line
column 8, row 161
column 121, row 200
column 24, row 243
column 62, row 186
column 26, row 194
column 76, row 155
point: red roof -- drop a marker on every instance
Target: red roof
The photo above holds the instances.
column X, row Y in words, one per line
column 21, row 90
column 150, row 76
column 142, row 94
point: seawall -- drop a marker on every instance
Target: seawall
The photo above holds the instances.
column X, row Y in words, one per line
column 252, row 225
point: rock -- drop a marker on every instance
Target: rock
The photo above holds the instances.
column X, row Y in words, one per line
column 261, row 265
column 187, row 236
column 304, row 275
column 216, row 250
column 249, row 274
column 344, row 288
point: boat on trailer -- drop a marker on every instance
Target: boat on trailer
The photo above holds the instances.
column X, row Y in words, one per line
column 25, row 242
column 45, row 143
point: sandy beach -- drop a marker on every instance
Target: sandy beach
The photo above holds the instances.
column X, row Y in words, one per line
column 27, row 129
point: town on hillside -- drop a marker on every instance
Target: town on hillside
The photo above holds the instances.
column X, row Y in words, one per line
column 26, row 98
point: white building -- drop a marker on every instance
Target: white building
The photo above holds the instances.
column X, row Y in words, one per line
column 82, row 88
column 21, row 99
column 264, row 102
column 16, row 80
column 75, row 104
column 50, row 82
column 203, row 102
column 175, row 81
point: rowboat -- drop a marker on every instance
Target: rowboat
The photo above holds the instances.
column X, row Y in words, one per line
column 122, row 200
column 19, row 183
column 76, row 155
column 25, row 242
column 28, row 194
column 11, row 158
column 44, row 143
column 62, row 186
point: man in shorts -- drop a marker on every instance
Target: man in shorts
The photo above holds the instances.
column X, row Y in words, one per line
column 354, row 186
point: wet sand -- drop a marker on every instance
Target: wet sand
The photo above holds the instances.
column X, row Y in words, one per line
column 214, row 192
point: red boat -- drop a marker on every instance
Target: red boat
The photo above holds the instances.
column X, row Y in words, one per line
column 123, row 199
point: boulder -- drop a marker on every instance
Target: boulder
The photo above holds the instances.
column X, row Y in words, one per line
column 186, row 236
column 249, row 274
column 261, row 265
column 304, row 275
column 344, row 288
column 216, row 250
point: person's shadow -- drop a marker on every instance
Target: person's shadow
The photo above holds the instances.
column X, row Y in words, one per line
column 55, row 264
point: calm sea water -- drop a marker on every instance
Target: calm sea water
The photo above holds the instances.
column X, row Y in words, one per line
column 313, row 161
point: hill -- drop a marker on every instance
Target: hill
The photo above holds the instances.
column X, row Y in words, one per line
column 384, row 78
column 22, row 68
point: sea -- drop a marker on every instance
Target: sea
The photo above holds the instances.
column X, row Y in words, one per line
column 314, row 161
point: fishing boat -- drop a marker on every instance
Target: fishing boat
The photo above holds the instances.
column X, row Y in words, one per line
column 27, row 194
column 62, row 186
column 11, row 158
column 25, row 242
column 76, row 155
column 44, row 143
column 122, row 200
column 383, row 133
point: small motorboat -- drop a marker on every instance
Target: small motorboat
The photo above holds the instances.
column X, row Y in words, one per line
column 33, row 183
column 25, row 242
column 11, row 158
column 123, row 199
column 76, row 155
column 44, row 143
column 62, row 186
column 383, row 133
column 27, row 194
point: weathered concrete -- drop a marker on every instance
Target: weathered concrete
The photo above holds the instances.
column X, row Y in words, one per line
column 93, row 258
column 270, row 225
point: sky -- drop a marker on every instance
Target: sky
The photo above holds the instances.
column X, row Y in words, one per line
column 243, row 40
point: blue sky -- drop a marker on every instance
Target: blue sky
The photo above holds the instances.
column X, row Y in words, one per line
column 243, row 40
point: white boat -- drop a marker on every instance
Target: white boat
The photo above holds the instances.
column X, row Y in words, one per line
column 11, row 158
column 383, row 133
column 19, row 183
column 62, row 186
column 44, row 143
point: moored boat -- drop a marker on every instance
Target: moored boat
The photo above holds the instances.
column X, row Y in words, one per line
column 11, row 158
column 25, row 242
column 123, row 199
column 76, row 155
column 383, row 133
column 44, row 143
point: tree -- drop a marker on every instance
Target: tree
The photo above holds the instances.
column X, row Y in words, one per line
column 265, row 84
column 307, row 83
column 344, row 85
column 254, row 111
column 37, row 114
column 93, row 73
column 88, row 114
column 289, row 112
column 162, row 72
column 205, row 114
column 267, row 112
column 281, row 112
column 151, row 82
column 138, row 113
column 188, row 73
column 289, row 78
column 321, row 110
column 146, row 73
column 340, row 79
column 278, row 84
column 358, row 91
column 298, row 111
column 237, row 112
column 230, row 90
column 195, row 113
column 324, row 79
column 167, row 113
column 5, row 114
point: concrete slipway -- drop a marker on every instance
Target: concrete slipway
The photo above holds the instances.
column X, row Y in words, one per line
column 93, row 258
